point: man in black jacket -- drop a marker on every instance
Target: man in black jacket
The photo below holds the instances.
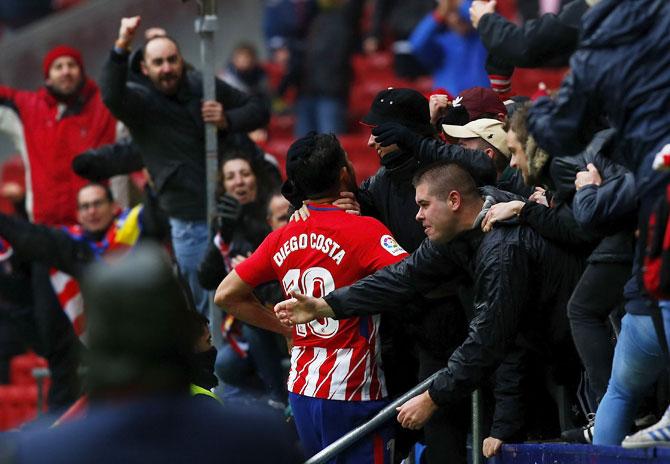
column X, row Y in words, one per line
column 514, row 305
column 435, row 323
column 161, row 105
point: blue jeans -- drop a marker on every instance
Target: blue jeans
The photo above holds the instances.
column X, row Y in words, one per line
column 189, row 240
column 320, row 114
column 321, row 422
column 638, row 361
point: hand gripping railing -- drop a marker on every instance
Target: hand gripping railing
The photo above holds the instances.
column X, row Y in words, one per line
column 388, row 413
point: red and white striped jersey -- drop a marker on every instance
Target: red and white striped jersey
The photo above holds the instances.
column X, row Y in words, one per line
column 331, row 359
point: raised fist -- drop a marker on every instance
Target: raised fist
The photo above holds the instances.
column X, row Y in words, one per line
column 127, row 31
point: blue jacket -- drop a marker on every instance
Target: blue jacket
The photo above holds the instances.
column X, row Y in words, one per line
column 621, row 70
column 163, row 429
column 456, row 61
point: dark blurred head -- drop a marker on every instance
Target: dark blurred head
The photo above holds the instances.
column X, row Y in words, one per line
column 317, row 167
column 163, row 64
column 136, row 316
column 245, row 57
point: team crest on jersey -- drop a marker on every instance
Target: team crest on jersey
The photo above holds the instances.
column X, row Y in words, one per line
column 389, row 244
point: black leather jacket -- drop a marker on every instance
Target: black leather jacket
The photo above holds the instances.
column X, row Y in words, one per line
column 520, row 285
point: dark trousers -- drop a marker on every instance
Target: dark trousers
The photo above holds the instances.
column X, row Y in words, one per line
column 446, row 432
column 264, row 360
column 597, row 293
column 56, row 341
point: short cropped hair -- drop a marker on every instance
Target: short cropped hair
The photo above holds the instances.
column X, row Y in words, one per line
column 443, row 177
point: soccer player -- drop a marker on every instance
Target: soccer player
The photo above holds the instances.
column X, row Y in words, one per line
column 336, row 380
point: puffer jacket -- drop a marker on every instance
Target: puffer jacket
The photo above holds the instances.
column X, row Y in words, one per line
column 517, row 300
column 610, row 210
column 620, row 70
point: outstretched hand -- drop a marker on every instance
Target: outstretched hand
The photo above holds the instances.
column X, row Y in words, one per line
column 300, row 309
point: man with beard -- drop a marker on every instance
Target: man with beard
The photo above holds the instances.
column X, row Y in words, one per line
column 60, row 120
column 160, row 101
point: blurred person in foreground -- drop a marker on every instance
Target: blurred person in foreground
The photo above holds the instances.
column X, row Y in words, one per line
column 59, row 258
column 140, row 359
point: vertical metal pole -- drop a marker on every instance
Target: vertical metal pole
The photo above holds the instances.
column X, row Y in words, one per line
column 39, row 374
column 205, row 26
column 477, row 456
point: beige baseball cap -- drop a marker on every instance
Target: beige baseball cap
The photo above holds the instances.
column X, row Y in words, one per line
column 490, row 130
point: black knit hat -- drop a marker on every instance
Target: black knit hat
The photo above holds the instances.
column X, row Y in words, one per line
column 403, row 106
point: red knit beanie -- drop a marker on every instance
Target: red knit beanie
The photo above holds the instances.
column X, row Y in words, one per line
column 57, row 52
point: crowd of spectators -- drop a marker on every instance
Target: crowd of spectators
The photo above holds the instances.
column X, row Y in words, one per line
column 511, row 244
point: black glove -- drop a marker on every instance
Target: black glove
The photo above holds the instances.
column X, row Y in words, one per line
column 229, row 212
column 391, row 133
column 84, row 165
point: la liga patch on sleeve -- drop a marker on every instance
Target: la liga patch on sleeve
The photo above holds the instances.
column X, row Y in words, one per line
column 389, row 244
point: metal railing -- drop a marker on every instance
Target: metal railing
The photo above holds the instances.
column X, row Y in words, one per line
column 389, row 413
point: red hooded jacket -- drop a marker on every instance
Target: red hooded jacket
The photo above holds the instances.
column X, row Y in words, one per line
column 54, row 134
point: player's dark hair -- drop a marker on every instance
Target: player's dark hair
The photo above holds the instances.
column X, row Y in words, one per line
column 314, row 164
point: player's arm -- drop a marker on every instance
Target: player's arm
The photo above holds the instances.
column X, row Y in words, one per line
column 237, row 298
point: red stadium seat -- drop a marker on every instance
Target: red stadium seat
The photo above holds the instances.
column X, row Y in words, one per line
column 21, row 368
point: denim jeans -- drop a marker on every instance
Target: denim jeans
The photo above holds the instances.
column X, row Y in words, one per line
column 264, row 359
column 638, row 361
column 320, row 114
column 189, row 240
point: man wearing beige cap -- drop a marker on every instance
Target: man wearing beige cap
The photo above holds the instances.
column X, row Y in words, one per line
column 486, row 135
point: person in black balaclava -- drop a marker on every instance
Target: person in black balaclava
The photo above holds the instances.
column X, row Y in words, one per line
column 389, row 197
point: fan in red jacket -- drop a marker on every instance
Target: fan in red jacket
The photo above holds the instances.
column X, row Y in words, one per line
column 60, row 120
